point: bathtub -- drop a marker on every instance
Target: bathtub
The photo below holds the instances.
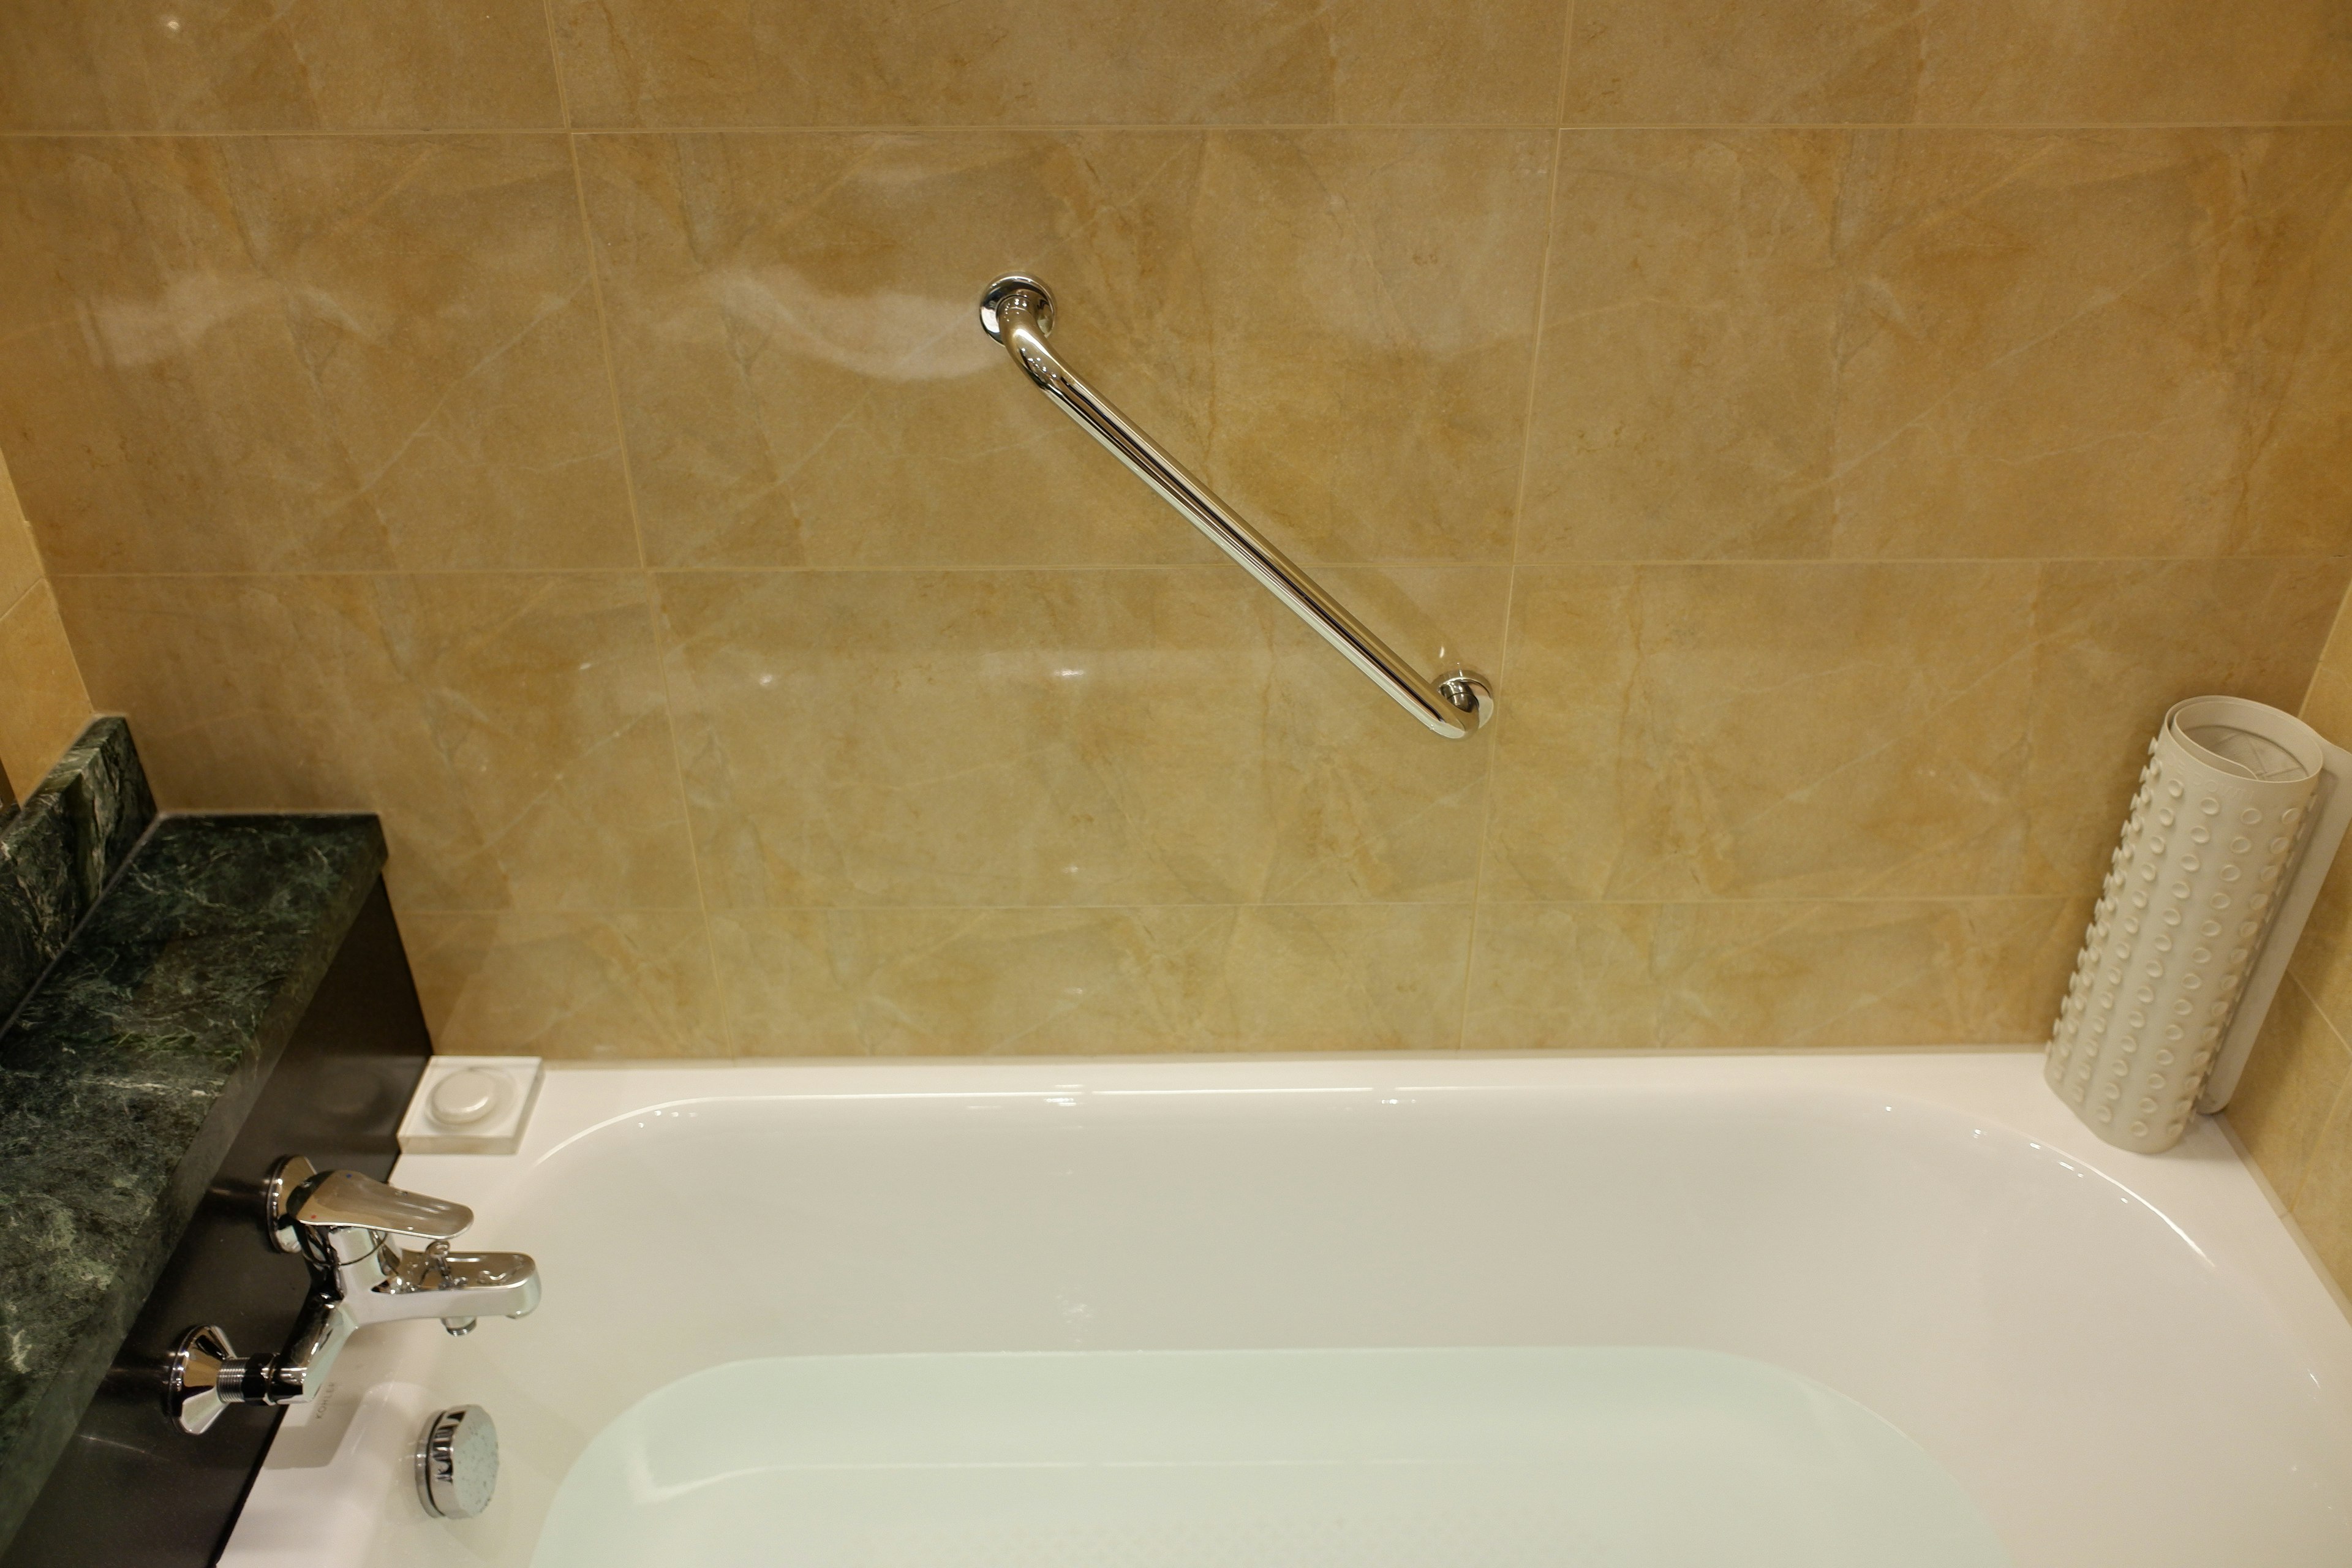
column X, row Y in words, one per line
column 824, row 1278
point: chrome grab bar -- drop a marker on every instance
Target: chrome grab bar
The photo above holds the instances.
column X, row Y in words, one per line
column 1018, row 312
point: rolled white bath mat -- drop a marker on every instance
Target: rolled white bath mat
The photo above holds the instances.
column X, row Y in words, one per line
column 2239, row 812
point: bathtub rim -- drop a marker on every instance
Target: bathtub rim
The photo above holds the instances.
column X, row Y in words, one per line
column 2207, row 1188
column 2034, row 1113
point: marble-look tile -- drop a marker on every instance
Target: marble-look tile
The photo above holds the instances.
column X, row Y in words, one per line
column 510, row 728
column 2323, row 955
column 1168, row 735
column 1331, row 328
column 1937, row 345
column 305, row 353
column 574, row 986
column 894, row 62
column 1094, row 982
column 1789, row 730
column 1686, row 394
column 2008, row 61
column 2117, row 643
column 2327, row 701
column 1769, row 975
column 275, row 65
column 1844, row 730
column 43, row 704
column 2293, row 1076
column 2105, row 343
column 20, row 559
column 2322, row 1202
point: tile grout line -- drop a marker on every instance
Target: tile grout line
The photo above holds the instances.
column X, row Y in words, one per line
column 556, row 71
column 1519, row 514
column 1937, row 901
column 2334, row 629
column 1566, row 55
column 18, row 602
column 1511, row 578
column 555, row 68
column 1072, row 128
column 2334, row 1107
column 638, row 532
column 1941, row 127
column 1400, row 563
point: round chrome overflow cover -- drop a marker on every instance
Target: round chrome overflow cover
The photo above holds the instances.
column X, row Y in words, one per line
column 458, row 1462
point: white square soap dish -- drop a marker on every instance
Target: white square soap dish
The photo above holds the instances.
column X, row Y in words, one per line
column 470, row 1105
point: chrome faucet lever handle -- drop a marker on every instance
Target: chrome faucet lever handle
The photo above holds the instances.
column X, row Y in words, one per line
column 350, row 1201
column 298, row 1197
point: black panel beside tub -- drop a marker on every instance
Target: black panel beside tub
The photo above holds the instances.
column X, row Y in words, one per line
column 233, row 990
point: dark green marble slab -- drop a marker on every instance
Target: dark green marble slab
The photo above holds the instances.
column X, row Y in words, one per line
column 124, row 1077
column 62, row 846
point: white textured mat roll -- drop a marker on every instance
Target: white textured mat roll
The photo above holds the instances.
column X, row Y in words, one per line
column 2239, row 811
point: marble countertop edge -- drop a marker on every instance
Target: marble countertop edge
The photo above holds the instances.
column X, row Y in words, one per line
column 129, row 1071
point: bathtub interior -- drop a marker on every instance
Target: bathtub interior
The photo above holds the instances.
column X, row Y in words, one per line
column 2081, row 1362
column 1285, row 1459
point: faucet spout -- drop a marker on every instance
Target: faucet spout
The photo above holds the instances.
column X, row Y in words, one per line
column 439, row 1283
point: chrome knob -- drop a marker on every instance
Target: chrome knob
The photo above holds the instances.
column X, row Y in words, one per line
column 199, row 1366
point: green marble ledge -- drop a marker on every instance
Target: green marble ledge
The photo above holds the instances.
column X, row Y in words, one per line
column 69, row 840
column 126, row 1074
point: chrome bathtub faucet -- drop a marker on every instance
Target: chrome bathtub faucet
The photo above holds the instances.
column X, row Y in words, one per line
column 342, row 1224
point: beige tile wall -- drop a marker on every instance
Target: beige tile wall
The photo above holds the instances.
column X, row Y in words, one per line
column 42, row 703
column 2291, row 1108
column 1841, row 427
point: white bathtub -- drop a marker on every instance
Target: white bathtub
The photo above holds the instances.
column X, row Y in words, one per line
column 2118, row 1360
